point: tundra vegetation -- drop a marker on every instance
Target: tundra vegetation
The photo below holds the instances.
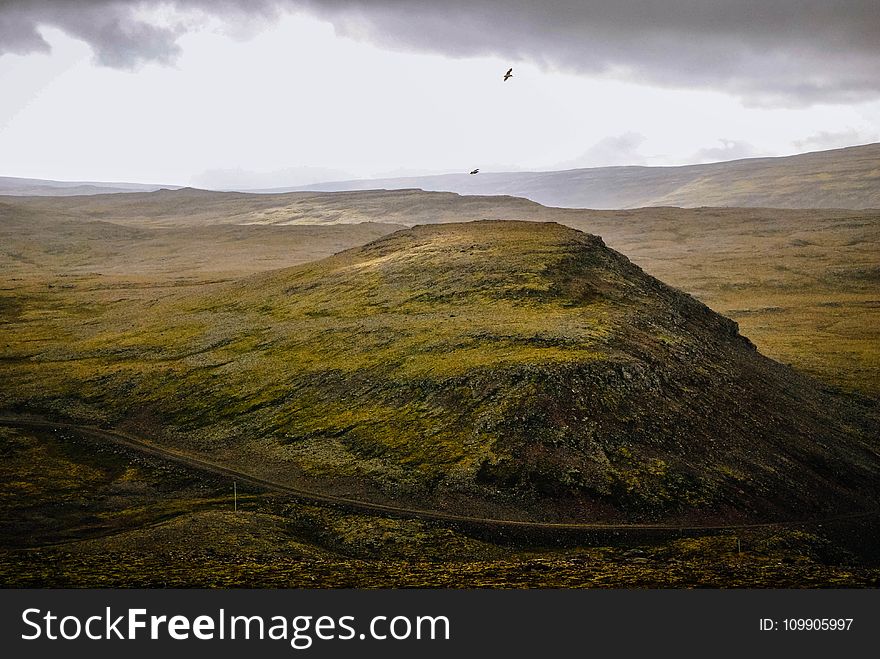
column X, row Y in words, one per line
column 512, row 366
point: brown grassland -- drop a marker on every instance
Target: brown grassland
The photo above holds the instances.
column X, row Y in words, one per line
column 216, row 323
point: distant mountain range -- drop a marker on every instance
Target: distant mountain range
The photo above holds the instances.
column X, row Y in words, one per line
column 839, row 178
column 22, row 187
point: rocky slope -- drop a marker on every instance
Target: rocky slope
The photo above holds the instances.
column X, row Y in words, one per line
column 511, row 369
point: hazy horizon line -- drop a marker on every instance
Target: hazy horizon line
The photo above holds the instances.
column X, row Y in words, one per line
column 511, row 170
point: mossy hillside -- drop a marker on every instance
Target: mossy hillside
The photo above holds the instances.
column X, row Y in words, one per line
column 799, row 282
column 94, row 516
column 490, row 366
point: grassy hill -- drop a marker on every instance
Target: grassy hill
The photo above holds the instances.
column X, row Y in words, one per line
column 38, row 249
column 839, row 178
column 198, row 208
column 492, row 368
column 801, row 283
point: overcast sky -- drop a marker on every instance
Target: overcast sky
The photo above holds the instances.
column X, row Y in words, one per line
column 265, row 93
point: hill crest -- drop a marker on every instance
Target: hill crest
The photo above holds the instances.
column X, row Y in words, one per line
column 498, row 369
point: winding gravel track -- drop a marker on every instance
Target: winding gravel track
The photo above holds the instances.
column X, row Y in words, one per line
column 140, row 445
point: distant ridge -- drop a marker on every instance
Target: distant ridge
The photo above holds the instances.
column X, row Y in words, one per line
column 847, row 178
column 839, row 178
column 23, row 187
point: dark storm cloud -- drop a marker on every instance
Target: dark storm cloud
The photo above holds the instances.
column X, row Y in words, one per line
column 768, row 51
column 117, row 30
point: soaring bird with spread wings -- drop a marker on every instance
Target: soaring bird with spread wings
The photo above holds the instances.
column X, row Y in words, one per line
column 509, row 74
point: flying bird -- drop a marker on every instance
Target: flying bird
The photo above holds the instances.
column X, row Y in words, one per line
column 476, row 171
column 509, row 74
